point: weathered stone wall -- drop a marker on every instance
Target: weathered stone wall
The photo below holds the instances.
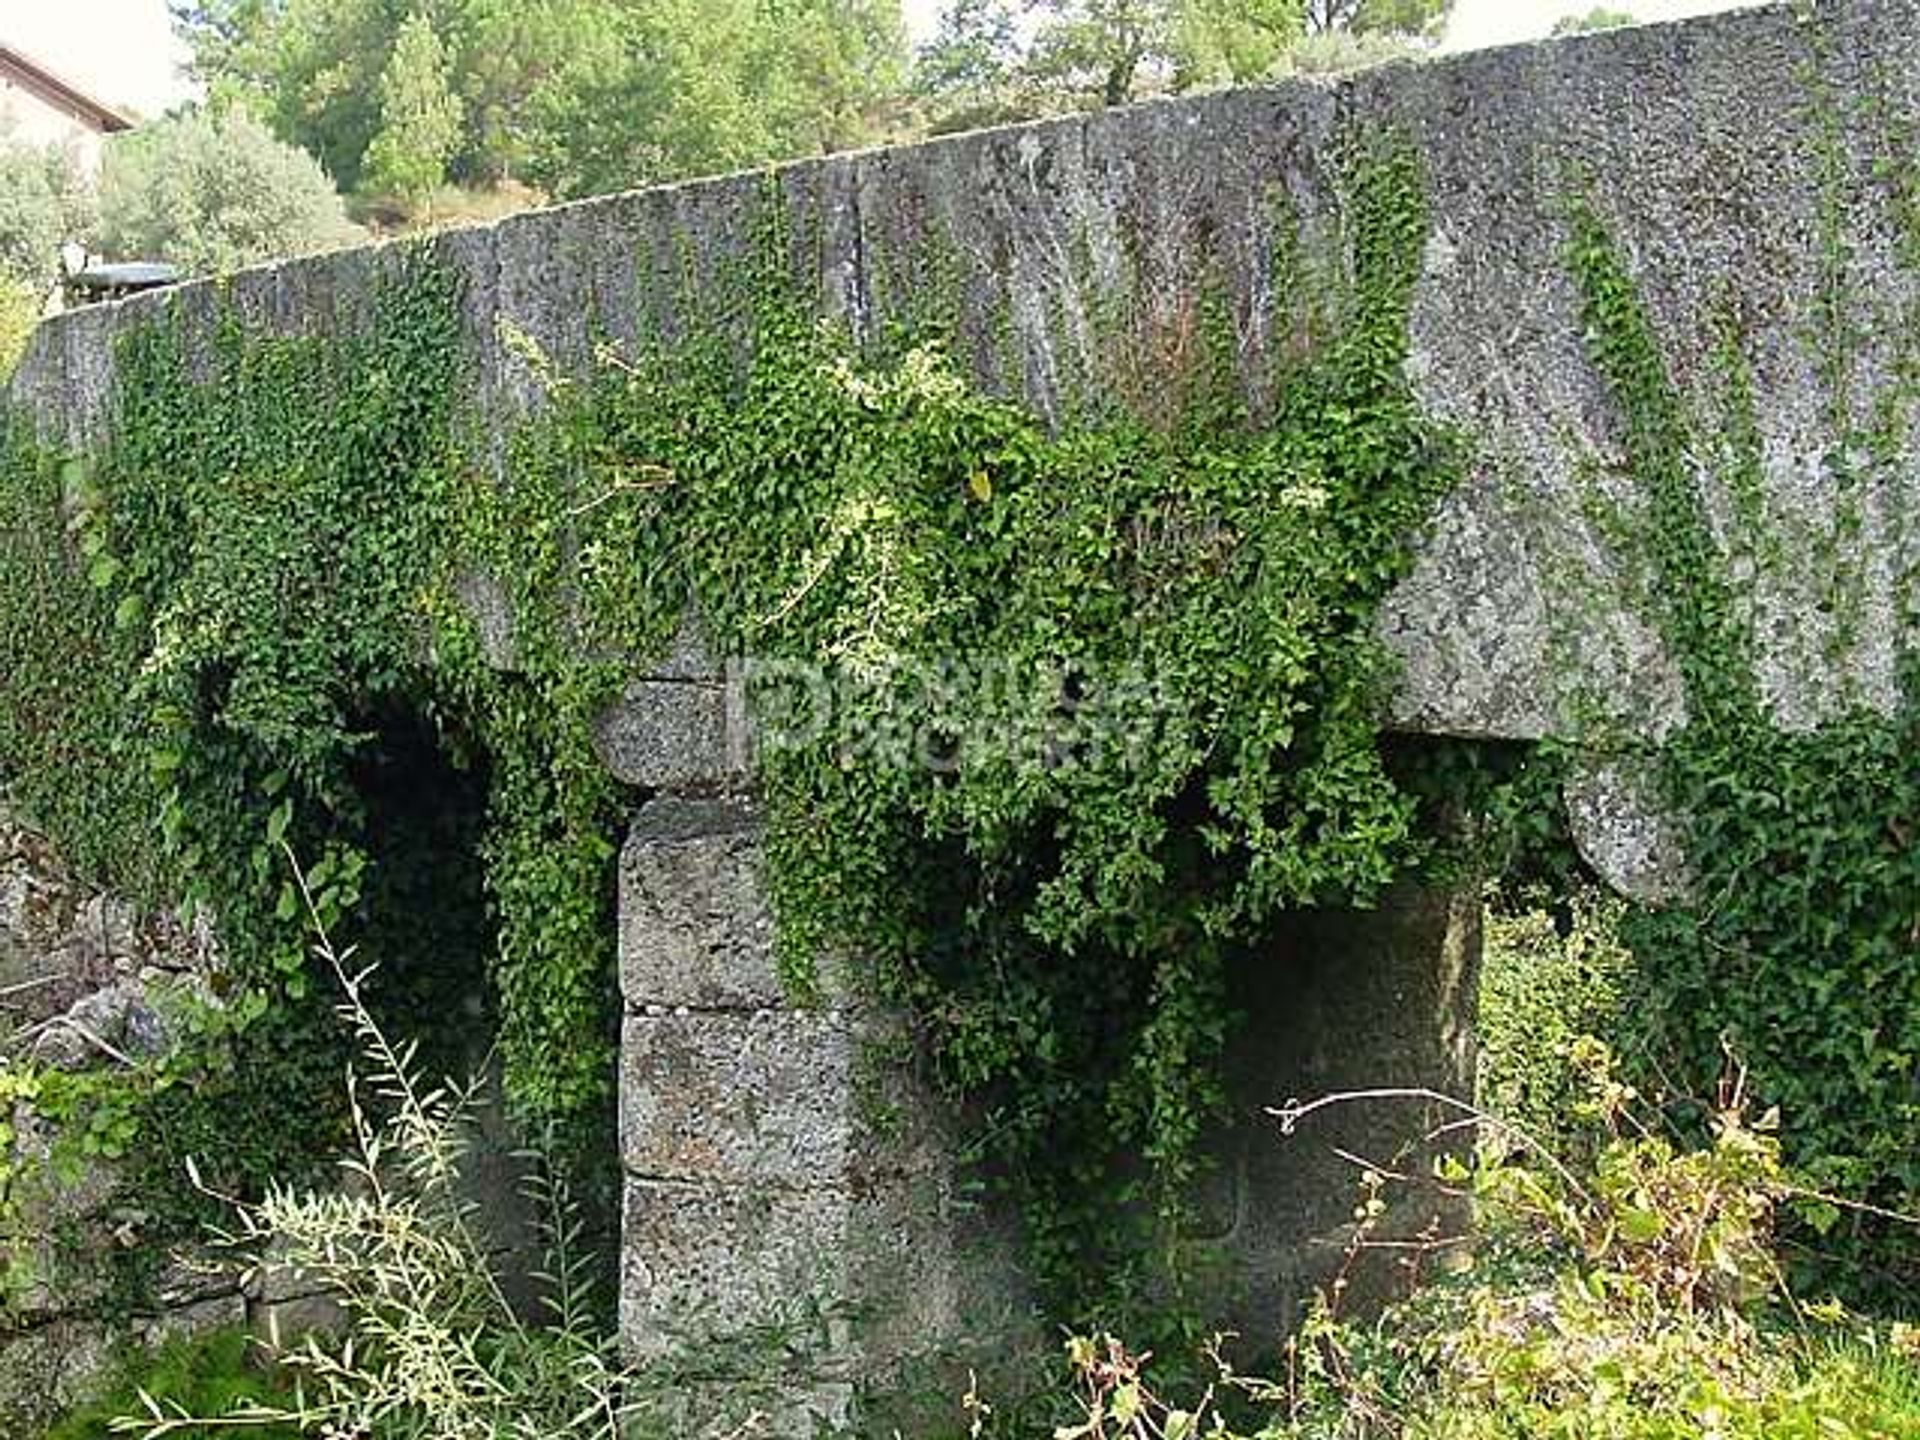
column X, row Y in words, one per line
column 1334, row 1003
column 87, row 980
column 1748, row 164
column 1717, row 150
column 794, row 1227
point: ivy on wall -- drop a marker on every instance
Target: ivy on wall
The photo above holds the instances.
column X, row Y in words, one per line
column 1104, row 699
column 1105, row 703
column 1794, row 958
column 1174, row 610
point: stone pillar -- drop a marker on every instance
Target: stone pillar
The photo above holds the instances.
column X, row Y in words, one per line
column 792, row 1232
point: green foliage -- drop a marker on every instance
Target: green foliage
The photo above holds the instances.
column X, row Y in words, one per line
column 1109, row 50
column 212, row 191
column 1376, row 17
column 1601, row 17
column 419, row 117
column 578, row 96
column 979, row 70
column 1798, row 962
column 1549, row 974
column 434, row 1349
column 970, row 70
column 1176, row 735
column 1336, row 52
column 19, row 313
column 699, row 86
column 307, row 69
column 43, row 204
column 210, row 1374
column 64, row 726
column 201, row 622
column 1633, row 1298
column 1176, row 738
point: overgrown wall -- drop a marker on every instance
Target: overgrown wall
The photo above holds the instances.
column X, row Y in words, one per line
column 1750, row 173
column 1746, row 163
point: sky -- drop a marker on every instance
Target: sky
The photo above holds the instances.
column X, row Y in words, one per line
column 121, row 52
column 124, row 52
column 1476, row 23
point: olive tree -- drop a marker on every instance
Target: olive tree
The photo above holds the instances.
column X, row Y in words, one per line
column 210, row 193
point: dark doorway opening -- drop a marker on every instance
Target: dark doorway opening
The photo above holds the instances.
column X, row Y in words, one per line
column 425, row 921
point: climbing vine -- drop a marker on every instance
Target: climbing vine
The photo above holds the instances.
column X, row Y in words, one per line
column 1051, row 721
column 1794, row 956
column 1103, row 698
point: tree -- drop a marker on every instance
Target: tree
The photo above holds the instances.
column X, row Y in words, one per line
column 1376, row 17
column 1100, row 47
column 1599, row 18
column 647, row 95
column 506, row 55
column 419, row 118
column 309, row 69
column 972, row 64
column 44, row 202
column 578, row 95
column 212, row 193
column 681, row 87
column 1106, row 52
column 832, row 68
column 1221, row 41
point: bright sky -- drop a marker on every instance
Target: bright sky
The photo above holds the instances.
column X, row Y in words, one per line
column 124, row 51
column 1501, row 22
column 121, row 51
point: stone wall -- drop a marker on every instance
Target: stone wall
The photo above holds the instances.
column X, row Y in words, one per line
column 793, row 1219
column 91, row 981
column 763, row 1198
column 1712, row 148
column 87, row 980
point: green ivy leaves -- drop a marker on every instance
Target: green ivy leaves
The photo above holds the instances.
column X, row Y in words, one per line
column 1105, row 697
column 1799, row 958
column 1175, row 739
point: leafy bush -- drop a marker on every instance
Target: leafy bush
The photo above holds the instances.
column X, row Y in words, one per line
column 19, row 313
column 435, row 1350
column 43, row 204
column 212, row 193
column 1601, row 17
column 211, row 1374
column 1637, row 1299
column 1797, row 947
column 1548, row 975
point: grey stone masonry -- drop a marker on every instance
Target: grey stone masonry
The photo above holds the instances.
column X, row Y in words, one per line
column 792, row 1211
column 88, row 981
column 1702, row 146
column 789, row 1203
column 1746, row 164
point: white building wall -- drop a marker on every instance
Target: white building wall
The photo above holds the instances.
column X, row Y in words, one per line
column 28, row 115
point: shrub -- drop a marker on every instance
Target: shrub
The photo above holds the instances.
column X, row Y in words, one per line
column 1548, row 975
column 1636, row 1299
column 434, row 1349
column 43, row 204
column 211, row 1374
column 211, row 193
column 19, row 313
